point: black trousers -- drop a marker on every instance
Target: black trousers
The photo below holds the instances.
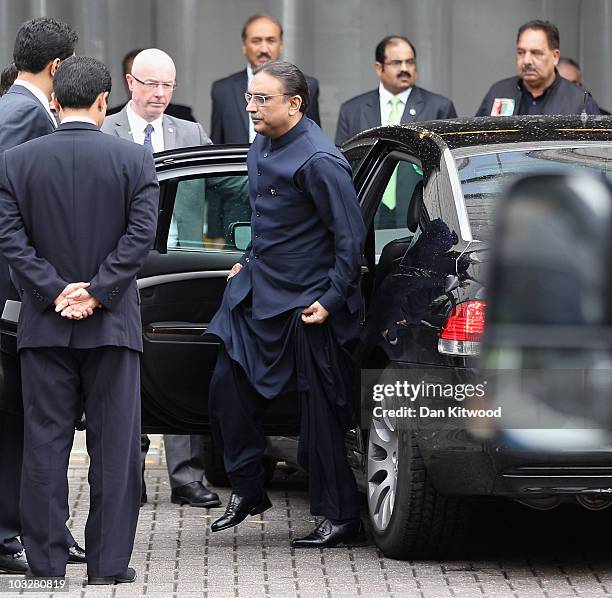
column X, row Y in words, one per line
column 55, row 381
column 237, row 411
column 11, row 452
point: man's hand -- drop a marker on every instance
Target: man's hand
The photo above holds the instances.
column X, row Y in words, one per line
column 77, row 305
column 315, row 314
column 61, row 300
column 235, row 269
column 81, row 310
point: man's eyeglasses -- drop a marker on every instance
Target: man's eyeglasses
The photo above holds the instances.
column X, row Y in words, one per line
column 156, row 84
column 259, row 99
column 398, row 63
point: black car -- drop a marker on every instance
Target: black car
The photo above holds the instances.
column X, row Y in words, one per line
column 424, row 309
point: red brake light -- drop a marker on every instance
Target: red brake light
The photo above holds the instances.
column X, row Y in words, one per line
column 463, row 330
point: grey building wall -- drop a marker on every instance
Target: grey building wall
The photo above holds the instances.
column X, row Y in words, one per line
column 463, row 45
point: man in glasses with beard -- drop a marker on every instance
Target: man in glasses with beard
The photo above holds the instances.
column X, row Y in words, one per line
column 538, row 88
column 397, row 100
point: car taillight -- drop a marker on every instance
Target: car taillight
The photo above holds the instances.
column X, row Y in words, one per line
column 463, row 330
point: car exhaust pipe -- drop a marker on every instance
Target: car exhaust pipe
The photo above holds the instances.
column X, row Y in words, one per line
column 593, row 503
column 547, row 503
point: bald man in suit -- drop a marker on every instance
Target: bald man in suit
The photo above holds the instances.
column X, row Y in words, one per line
column 143, row 121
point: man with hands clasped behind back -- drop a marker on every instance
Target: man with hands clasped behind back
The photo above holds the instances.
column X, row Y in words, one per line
column 78, row 213
column 40, row 46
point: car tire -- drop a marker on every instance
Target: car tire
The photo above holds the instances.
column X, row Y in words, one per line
column 409, row 519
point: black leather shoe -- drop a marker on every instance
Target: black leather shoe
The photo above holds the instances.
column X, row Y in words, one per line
column 238, row 509
column 76, row 555
column 143, row 495
column 128, row 576
column 328, row 534
column 195, row 494
column 14, row 563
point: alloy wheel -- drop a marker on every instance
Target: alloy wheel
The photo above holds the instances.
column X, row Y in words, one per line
column 382, row 471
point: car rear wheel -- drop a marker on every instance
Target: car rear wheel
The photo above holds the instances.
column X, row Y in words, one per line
column 409, row 518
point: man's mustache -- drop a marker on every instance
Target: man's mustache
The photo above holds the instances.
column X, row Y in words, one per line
column 404, row 74
column 264, row 55
column 527, row 68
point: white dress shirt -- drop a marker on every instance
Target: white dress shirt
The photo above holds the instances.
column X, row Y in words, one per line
column 385, row 104
column 40, row 95
column 138, row 126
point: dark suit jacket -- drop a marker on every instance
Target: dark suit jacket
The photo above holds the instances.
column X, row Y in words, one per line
column 307, row 237
column 229, row 122
column 78, row 205
column 363, row 111
column 22, row 118
column 307, row 228
column 176, row 110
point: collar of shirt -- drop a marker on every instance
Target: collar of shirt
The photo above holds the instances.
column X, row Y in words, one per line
column 385, row 107
column 290, row 135
column 40, row 96
column 138, row 126
column 79, row 119
column 252, row 133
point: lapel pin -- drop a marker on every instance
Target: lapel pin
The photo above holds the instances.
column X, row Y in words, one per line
column 273, row 191
column 412, row 111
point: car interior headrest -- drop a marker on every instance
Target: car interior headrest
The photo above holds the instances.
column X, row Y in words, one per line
column 415, row 207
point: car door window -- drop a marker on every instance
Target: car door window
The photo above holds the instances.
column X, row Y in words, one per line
column 205, row 211
column 397, row 215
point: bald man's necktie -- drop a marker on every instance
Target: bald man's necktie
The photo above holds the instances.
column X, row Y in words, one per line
column 389, row 197
column 147, row 139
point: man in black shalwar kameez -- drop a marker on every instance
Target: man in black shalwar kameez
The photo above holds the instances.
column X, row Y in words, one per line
column 290, row 308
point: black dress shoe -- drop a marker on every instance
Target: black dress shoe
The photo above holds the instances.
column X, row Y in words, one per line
column 195, row 494
column 328, row 534
column 238, row 508
column 128, row 576
column 14, row 563
column 76, row 555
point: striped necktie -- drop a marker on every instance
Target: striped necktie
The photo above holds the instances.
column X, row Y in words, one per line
column 147, row 139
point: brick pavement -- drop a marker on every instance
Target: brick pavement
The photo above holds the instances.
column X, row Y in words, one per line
column 516, row 553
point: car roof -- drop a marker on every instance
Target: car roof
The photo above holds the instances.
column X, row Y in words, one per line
column 470, row 132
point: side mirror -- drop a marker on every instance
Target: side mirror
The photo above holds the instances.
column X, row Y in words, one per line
column 240, row 235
